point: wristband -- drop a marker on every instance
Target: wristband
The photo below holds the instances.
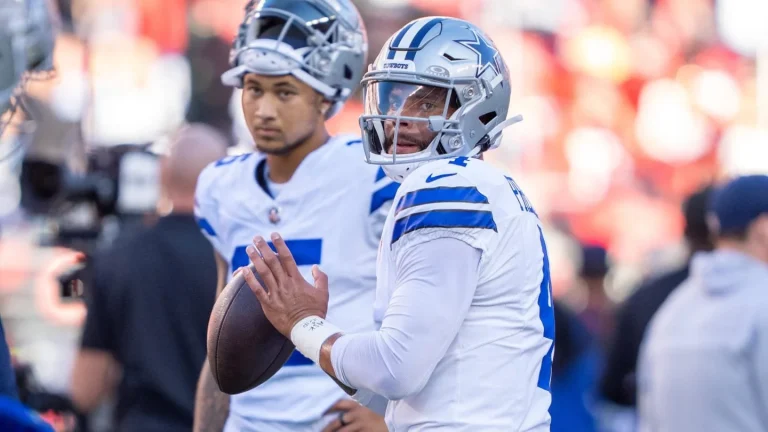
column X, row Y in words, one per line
column 309, row 334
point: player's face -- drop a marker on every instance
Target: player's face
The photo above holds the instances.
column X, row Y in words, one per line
column 281, row 111
column 416, row 102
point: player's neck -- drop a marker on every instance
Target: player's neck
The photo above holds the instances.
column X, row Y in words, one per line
column 282, row 167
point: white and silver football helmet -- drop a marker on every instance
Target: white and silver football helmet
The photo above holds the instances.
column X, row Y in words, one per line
column 321, row 42
column 438, row 89
column 26, row 45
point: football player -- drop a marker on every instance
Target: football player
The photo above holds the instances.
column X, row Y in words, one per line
column 26, row 46
column 297, row 62
column 463, row 280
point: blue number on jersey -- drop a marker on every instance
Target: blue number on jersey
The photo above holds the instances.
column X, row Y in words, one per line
column 305, row 252
column 547, row 316
column 460, row 161
column 522, row 200
column 231, row 159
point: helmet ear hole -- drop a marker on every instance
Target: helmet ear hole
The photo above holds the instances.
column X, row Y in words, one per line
column 488, row 117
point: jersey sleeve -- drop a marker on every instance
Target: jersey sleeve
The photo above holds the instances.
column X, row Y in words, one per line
column 442, row 204
column 207, row 208
column 382, row 197
column 398, row 360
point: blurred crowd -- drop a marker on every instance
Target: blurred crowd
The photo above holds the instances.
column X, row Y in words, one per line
column 630, row 107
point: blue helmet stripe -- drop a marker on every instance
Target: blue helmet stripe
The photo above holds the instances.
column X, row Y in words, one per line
column 420, row 37
column 398, row 39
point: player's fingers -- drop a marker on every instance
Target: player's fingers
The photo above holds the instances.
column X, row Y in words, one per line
column 355, row 427
column 342, row 405
column 264, row 272
column 285, row 255
column 255, row 285
column 269, row 257
column 321, row 279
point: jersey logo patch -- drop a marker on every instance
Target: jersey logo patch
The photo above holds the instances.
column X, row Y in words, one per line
column 430, row 178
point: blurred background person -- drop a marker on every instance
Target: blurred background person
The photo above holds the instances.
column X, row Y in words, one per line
column 597, row 314
column 148, row 304
column 618, row 382
column 704, row 361
column 574, row 374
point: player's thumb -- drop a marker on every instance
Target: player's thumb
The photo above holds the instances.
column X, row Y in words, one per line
column 321, row 279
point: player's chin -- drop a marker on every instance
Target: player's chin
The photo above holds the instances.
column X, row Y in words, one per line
column 270, row 145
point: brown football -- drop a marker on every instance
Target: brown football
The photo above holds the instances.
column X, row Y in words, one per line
column 244, row 349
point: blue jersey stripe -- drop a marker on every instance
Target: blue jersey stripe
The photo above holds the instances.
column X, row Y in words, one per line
column 420, row 37
column 206, row 226
column 441, row 194
column 381, row 196
column 398, row 39
column 443, row 219
column 305, row 252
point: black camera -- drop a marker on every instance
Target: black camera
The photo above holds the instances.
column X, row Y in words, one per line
column 88, row 209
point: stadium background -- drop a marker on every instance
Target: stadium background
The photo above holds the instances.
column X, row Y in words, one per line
column 629, row 106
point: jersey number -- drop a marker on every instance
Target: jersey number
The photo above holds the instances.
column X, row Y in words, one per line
column 231, row 159
column 547, row 316
column 305, row 252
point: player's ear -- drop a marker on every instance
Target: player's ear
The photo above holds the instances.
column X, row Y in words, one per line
column 323, row 105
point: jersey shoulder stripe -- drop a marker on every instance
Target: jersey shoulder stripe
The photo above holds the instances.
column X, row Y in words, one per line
column 482, row 219
column 439, row 197
column 445, row 194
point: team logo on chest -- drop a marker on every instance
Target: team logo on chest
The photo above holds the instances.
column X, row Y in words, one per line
column 274, row 215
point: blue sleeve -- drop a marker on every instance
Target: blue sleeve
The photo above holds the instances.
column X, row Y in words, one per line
column 7, row 375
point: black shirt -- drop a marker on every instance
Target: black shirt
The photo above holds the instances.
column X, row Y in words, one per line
column 149, row 302
column 618, row 383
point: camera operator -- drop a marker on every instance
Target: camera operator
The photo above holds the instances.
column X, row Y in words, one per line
column 144, row 337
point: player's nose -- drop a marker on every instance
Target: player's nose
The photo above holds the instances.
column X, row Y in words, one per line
column 266, row 107
column 405, row 124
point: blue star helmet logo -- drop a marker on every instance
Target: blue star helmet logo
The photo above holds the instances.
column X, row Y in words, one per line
column 487, row 55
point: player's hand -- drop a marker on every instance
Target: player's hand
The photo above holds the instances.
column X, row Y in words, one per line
column 288, row 298
column 354, row 417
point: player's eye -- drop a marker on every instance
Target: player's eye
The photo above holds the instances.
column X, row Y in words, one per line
column 285, row 94
column 255, row 91
column 427, row 106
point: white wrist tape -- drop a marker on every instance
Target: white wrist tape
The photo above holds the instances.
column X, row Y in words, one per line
column 309, row 334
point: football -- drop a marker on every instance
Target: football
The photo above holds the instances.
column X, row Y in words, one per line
column 244, row 349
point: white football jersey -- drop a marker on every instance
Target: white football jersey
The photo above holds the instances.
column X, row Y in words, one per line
column 330, row 213
column 496, row 373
